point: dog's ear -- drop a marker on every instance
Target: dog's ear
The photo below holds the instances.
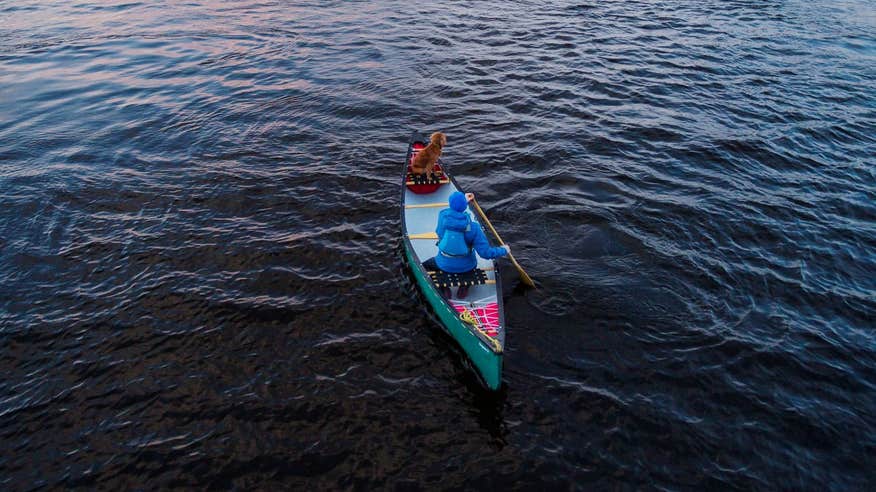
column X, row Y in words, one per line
column 439, row 139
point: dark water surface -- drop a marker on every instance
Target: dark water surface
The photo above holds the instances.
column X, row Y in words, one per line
column 201, row 280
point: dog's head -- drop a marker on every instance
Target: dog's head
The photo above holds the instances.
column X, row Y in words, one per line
column 438, row 139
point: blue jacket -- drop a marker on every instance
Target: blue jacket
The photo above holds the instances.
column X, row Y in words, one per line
column 474, row 238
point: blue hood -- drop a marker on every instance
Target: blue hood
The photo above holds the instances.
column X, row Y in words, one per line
column 456, row 220
column 457, row 201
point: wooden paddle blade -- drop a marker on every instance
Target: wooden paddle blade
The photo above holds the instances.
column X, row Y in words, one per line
column 523, row 275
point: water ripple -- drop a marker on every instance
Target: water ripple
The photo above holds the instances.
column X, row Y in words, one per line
column 201, row 282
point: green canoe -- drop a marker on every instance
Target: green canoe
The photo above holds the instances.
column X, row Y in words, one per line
column 477, row 322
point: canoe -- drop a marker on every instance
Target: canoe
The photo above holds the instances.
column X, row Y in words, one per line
column 477, row 323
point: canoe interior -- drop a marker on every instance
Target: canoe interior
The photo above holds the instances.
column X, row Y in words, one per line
column 419, row 219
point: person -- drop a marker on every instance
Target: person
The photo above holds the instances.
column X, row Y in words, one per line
column 458, row 240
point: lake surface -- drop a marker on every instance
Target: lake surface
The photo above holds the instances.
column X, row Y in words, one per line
column 202, row 281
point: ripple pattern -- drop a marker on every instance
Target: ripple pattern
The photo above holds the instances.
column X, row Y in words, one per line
column 201, row 281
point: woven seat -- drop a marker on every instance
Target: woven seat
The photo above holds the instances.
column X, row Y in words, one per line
column 445, row 279
column 426, row 179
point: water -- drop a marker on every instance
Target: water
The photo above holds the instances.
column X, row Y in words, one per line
column 201, row 280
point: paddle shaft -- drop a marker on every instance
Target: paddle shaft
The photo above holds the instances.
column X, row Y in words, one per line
column 523, row 275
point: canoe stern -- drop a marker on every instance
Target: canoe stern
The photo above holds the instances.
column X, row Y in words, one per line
column 487, row 361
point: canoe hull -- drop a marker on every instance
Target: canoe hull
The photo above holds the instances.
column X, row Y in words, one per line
column 477, row 322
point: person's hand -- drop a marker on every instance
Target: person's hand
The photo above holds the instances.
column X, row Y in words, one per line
column 507, row 249
column 469, row 197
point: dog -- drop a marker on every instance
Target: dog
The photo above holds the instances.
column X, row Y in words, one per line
column 424, row 162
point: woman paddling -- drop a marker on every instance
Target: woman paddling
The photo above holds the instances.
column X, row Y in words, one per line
column 458, row 240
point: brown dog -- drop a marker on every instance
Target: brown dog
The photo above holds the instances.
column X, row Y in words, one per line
column 425, row 161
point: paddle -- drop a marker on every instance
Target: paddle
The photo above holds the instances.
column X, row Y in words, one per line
column 523, row 275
